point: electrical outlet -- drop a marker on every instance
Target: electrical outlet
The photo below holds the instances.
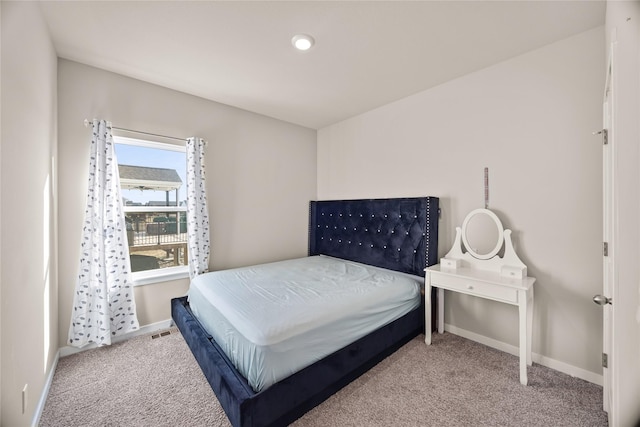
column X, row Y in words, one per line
column 24, row 398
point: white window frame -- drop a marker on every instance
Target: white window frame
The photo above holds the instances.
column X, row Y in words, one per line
column 148, row 277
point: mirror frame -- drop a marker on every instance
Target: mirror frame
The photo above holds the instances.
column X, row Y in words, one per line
column 500, row 239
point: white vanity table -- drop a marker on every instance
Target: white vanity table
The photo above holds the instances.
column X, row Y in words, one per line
column 481, row 272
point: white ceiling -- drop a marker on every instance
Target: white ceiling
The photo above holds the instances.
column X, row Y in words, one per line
column 367, row 54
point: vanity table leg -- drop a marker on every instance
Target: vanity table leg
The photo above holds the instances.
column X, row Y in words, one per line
column 524, row 338
column 427, row 311
column 440, row 311
column 529, row 324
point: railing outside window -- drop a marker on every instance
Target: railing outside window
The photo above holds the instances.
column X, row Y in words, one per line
column 157, row 236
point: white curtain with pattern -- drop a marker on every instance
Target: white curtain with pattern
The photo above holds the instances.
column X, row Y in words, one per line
column 103, row 305
column 197, row 214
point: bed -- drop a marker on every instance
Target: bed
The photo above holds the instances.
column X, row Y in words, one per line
column 398, row 235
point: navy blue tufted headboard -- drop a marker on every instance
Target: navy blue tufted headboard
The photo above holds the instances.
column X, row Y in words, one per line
column 400, row 234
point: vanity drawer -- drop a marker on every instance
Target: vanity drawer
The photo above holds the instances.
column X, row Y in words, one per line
column 474, row 287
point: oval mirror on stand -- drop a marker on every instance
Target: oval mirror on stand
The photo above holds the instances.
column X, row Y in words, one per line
column 487, row 246
column 482, row 234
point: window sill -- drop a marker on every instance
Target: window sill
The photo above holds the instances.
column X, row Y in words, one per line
column 149, row 277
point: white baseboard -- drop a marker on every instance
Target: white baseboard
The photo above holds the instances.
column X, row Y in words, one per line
column 68, row 350
column 147, row 329
column 45, row 391
column 537, row 358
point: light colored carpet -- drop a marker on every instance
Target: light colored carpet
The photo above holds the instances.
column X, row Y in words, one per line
column 454, row 382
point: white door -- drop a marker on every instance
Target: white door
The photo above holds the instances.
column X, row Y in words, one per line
column 607, row 299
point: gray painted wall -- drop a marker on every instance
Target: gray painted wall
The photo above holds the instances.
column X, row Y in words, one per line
column 529, row 120
column 28, row 275
column 261, row 174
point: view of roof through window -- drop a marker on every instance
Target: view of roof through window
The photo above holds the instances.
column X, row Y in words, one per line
column 151, row 176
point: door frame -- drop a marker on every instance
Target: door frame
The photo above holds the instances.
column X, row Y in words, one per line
column 609, row 231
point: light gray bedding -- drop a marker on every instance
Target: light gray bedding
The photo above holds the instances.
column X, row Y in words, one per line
column 274, row 319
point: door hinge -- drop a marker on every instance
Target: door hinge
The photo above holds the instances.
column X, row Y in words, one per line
column 605, row 249
column 605, row 360
column 605, row 135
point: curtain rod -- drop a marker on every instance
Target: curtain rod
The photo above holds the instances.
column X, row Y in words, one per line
column 87, row 123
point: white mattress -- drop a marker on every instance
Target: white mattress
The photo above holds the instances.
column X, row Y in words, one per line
column 275, row 319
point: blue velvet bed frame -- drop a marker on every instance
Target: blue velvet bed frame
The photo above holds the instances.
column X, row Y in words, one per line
column 398, row 234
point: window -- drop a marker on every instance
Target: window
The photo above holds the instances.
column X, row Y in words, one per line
column 153, row 185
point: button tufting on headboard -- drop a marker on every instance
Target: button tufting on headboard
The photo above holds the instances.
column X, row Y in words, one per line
column 402, row 237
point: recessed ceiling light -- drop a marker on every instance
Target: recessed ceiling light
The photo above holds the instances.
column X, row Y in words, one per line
column 302, row 41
